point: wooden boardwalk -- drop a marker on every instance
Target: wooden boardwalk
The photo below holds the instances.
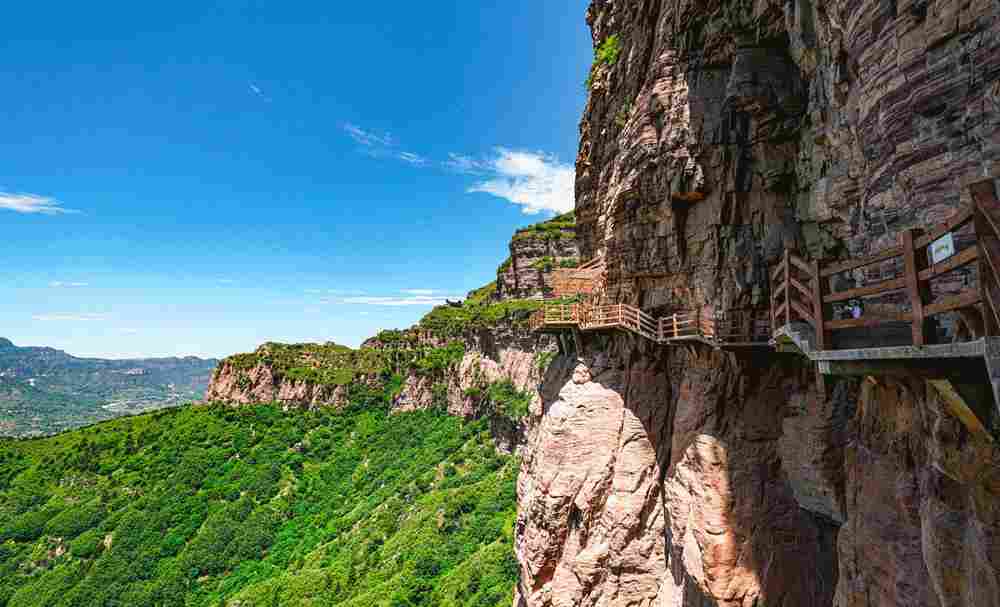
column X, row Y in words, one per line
column 803, row 307
column 800, row 290
column 737, row 329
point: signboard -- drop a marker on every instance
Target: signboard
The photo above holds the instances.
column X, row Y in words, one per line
column 942, row 248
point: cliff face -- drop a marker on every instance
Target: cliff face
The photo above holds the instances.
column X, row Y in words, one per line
column 503, row 352
column 717, row 133
column 534, row 253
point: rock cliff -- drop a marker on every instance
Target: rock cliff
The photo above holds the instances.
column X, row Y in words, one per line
column 716, row 134
column 534, row 253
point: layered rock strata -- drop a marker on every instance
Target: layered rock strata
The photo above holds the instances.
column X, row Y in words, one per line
column 716, row 134
column 535, row 253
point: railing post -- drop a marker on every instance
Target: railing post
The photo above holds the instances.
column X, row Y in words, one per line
column 788, row 286
column 914, row 289
column 986, row 240
column 820, row 289
column 675, row 325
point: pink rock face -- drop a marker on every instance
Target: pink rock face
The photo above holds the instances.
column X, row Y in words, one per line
column 258, row 385
column 923, row 524
column 722, row 133
column 528, row 271
column 642, row 486
column 504, row 352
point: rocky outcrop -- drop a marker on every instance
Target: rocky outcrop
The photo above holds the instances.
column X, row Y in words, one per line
column 716, row 134
column 260, row 384
column 658, row 478
column 535, row 252
column 503, row 352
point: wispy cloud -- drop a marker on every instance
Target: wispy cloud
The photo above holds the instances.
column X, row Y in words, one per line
column 461, row 163
column 418, row 291
column 382, row 145
column 69, row 317
column 130, row 331
column 58, row 284
column 412, row 300
column 31, row 203
column 369, row 138
column 335, row 291
column 412, row 158
column 258, row 92
column 534, row 180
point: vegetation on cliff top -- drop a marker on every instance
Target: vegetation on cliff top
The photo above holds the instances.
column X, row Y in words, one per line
column 449, row 322
column 331, row 364
column 562, row 226
column 212, row 505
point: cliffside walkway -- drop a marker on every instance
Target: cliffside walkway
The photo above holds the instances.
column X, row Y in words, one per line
column 737, row 329
column 898, row 337
column 894, row 336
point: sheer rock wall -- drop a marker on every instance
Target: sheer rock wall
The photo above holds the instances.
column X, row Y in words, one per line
column 527, row 273
column 724, row 131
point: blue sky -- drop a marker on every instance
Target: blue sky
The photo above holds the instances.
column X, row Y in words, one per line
column 197, row 178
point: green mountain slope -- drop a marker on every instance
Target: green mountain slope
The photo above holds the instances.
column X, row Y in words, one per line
column 43, row 390
column 211, row 505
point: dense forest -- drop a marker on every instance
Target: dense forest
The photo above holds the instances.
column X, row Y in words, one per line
column 253, row 506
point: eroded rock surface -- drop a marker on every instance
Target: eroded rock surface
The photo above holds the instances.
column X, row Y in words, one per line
column 534, row 253
column 657, row 479
column 723, row 132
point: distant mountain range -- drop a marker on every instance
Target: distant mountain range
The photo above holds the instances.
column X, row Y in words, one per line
column 44, row 390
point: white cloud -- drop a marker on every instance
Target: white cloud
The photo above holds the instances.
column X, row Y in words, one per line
column 69, row 317
column 130, row 331
column 259, row 93
column 30, row 203
column 412, row 300
column 382, row 145
column 368, row 138
column 412, row 158
column 418, row 291
column 536, row 181
column 466, row 164
column 58, row 284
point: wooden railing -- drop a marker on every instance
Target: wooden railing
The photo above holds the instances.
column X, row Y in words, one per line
column 742, row 327
column 987, row 224
column 800, row 290
column 555, row 314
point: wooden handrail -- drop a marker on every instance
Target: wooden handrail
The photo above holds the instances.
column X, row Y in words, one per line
column 800, row 263
column 964, row 299
column 804, row 290
column 955, row 222
column 803, row 312
column 853, row 264
column 858, row 323
column 778, row 270
column 893, row 284
column 966, row 257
